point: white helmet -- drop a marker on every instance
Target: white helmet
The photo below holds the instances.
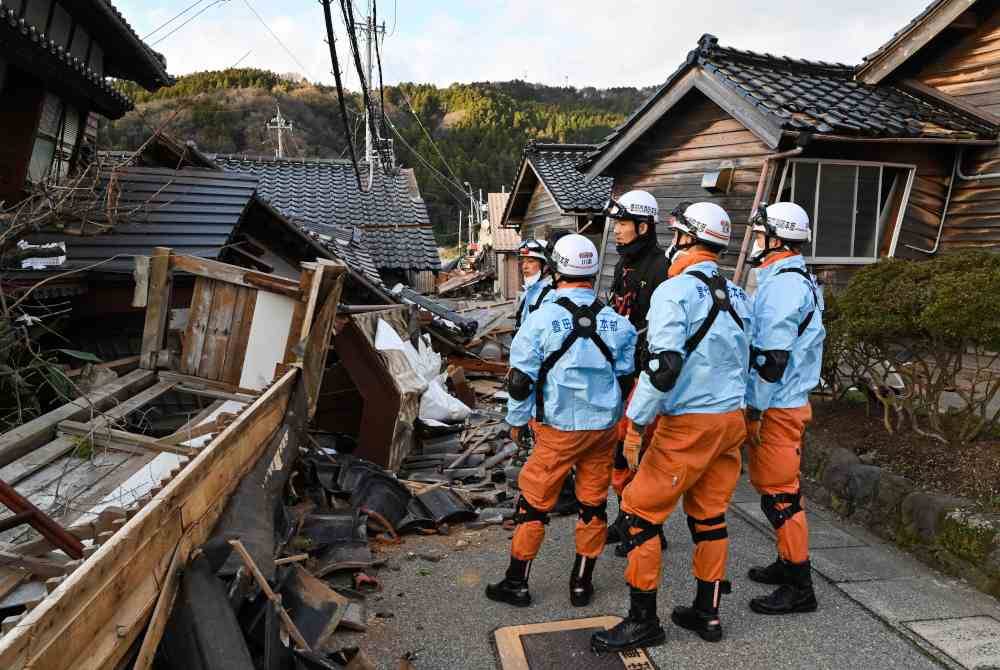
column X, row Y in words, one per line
column 635, row 205
column 532, row 249
column 785, row 221
column 575, row 256
column 704, row 221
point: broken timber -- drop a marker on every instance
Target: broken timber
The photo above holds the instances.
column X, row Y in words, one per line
column 96, row 614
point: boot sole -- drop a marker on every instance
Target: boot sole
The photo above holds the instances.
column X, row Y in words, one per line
column 706, row 635
column 501, row 599
column 599, row 647
column 580, row 602
column 801, row 608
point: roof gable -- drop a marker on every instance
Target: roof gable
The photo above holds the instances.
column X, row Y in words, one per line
column 555, row 167
column 905, row 43
column 773, row 96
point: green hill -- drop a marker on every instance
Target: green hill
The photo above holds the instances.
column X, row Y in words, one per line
column 480, row 128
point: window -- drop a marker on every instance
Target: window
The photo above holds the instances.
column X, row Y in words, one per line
column 58, row 132
column 853, row 206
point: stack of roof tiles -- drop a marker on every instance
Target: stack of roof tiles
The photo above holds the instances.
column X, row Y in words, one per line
column 323, row 195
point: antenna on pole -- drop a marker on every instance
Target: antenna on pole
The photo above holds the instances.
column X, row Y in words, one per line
column 280, row 124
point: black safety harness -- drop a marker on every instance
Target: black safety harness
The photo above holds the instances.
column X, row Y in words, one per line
column 538, row 303
column 719, row 290
column 809, row 317
column 584, row 326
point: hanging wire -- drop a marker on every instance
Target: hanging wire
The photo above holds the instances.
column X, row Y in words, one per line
column 171, row 20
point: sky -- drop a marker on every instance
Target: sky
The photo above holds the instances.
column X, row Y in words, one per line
column 556, row 42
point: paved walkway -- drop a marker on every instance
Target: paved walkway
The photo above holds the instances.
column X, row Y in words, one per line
column 878, row 607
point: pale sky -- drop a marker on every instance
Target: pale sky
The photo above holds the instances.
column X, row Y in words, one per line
column 580, row 42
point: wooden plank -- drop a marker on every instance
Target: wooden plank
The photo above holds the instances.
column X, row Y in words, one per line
column 141, row 276
column 239, row 337
column 317, row 346
column 110, row 437
column 127, row 362
column 299, row 325
column 10, row 579
column 197, row 325
column 233, row 274
column 213, row 354
column 161, row 613
column 94, row 616
column 16, row 443
column 158, row 307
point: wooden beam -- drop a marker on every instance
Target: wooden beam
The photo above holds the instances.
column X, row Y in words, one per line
column 111, row 438
column 737, row 106
column 110, row 365
column 92, row 619
column 193, row 383
column 938, row 95
column 18, row 442
column 157, row 307
column 161, row 613
column 233, row 274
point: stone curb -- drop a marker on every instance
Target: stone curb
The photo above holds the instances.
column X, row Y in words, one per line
column 947, row 532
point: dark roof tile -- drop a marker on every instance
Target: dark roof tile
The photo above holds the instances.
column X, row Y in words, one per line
column 556, row 165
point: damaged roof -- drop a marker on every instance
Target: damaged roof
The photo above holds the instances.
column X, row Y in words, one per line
column 192, row 211
column 323, row 194
column 789, row 95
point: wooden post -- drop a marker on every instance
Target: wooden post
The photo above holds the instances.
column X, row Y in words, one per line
column 157, row 307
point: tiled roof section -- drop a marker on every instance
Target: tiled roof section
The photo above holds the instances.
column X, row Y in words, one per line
column 495, row 204
column 825, row 98
column 556, row 166
column 816, row 97
column 25, row 41
column 347, row 245
column 193, row 212
column 323, row 194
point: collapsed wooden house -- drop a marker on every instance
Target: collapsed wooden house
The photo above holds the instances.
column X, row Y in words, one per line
column 253, row 346
column 880, row 155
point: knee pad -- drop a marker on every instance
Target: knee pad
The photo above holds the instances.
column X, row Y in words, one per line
column 621, row 463
column 707, row 535
column 647, row 531
column 588, row 512
column 778, row 517
column 519, row 385
column 525, row 512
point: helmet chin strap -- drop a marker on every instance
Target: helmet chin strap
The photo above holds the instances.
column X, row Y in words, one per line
column 679, row 248
column 758, row 259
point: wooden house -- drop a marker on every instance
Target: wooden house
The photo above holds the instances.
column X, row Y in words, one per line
column 57, row 62
column 550, row 193
column 504, row 243
column 873, row 162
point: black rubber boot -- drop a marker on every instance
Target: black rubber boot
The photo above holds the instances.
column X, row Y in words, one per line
column 795, row 596
column 703, row 615
column 513, row 589
column 641, row 628
column 581, row 586
column 774, row 574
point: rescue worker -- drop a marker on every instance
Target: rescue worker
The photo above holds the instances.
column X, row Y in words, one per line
column 786, row 354
column 565, row 362
column 537, row 281
column 640, row 270
column 695, row 379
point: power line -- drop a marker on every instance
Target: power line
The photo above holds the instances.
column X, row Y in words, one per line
column 440, row 176
column 431, row 139
column 277, row 39
column 242, row 58
column 196, row 15
column 169, row 21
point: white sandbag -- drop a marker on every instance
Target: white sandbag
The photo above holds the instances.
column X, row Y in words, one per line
column 437, row 404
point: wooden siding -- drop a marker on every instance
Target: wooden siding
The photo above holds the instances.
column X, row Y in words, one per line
column 542, row 211
column 669, row 162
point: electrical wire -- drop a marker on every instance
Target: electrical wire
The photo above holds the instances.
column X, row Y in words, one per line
column 277, row 39
column 440, row 176
column 444, row 160
column 347, row 9
column 169, row 21
column 340, row 92
column 395, row 17
column 196, row 15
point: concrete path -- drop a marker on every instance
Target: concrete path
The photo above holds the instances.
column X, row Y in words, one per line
column 878, row 607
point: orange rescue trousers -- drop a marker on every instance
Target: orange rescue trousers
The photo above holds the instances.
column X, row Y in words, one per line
column 774, row 471
column 696, row 456
column 554, row 455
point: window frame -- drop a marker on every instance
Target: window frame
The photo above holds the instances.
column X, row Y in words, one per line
column 811, row 258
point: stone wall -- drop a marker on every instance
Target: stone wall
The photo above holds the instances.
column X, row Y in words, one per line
column 948, row 532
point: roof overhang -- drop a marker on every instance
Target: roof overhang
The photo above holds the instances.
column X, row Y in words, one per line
column 128, row 57
column 518, row 195
column 688, row 79
column 909, row 41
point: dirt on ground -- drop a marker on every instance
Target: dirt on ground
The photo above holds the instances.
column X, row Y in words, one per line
column 971, row 471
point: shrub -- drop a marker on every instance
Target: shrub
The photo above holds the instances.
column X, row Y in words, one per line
column 936, row 324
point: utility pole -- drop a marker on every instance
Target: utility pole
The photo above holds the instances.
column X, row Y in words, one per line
column 371, row 33
column 280, row 124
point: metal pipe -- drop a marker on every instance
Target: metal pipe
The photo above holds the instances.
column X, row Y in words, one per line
column 955, row 169
column 973, row 177
column 758, row 196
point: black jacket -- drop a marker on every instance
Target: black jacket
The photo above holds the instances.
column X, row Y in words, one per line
column 636, row 277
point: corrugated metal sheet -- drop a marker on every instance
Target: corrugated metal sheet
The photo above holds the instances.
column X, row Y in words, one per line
column 193, row 212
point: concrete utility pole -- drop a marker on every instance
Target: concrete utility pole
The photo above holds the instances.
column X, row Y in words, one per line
column 371, row 33
column 280, row 124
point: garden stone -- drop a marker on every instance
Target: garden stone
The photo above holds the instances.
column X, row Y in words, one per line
column 885, row 509
column 924, row 512
column 862, row 487
column 837, row 471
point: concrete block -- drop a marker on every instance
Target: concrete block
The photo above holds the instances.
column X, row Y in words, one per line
column 899, row 600
column 972, row 641
column 854, row 564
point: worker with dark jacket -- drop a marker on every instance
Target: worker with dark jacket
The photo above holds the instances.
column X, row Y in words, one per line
column 694, row 380
column 786, row 356
column 565, row 363
column 641, row 268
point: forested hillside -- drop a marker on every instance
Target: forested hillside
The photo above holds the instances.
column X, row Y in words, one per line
column 479, row 128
